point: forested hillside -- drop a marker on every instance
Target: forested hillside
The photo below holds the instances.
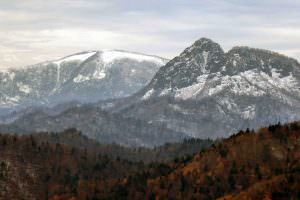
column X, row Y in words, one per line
column 40, row 171
column 248, row 165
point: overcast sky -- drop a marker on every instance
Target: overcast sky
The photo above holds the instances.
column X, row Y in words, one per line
column 32, row 31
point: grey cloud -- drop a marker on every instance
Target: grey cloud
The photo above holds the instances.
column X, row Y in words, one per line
column 33, row 30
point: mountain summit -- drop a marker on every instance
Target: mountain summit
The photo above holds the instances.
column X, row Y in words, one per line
column 203, row 57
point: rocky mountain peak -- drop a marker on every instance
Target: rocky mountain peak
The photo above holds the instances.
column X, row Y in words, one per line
column 207, row 44
column 203, row 57
column 243, row 58
column 203, row 47
column 206, row 57
column 203, row 69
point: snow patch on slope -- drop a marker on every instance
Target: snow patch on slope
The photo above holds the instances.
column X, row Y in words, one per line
column 165, row 92
column 109, row 56
column 99, row 74
column 249, row 112
column 77, row 57
column 148, row 94
column 193, row 90
column 205, row 57
column 96, row 75
column 250, row 83
column 10, row 101
column 287, row 82
column 80, row 78
column 24, row 88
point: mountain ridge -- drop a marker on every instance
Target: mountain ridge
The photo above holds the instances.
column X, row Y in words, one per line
column 202, row 93
column 84, row 76
column 79, row 53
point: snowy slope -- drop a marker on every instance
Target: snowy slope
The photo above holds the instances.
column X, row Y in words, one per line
column 86, row 77
column 109, row 56
column 76, row 57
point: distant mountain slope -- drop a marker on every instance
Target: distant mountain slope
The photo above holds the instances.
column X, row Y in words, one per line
column 96, row 124
column 86, row 77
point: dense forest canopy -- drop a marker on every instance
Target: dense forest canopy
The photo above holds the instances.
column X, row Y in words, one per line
column 248, row 165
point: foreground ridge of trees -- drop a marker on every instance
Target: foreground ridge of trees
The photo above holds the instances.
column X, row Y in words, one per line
column 167, row 152
column 248, row 165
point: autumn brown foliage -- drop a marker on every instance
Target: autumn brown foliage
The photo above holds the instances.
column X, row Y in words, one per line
column 248, row 165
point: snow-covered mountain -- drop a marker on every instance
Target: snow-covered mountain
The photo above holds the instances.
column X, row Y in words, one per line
column 204, row 92
column 85, row 77
column 203, row 70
